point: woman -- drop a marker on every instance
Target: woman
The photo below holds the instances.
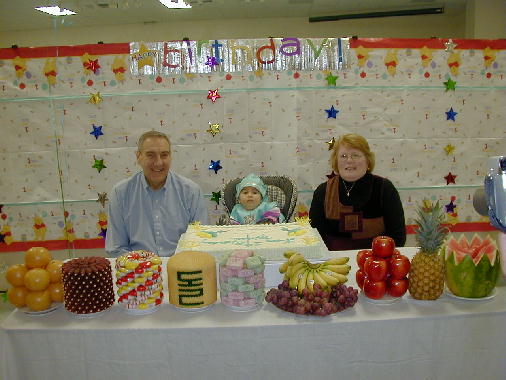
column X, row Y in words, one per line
column 353, row 207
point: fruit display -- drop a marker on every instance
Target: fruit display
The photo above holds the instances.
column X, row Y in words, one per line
column 382, row 270
column 37, row 283
column 426, row 276
column 317, row 302
column 472, row 268
column 302, row 274
column 313, row 288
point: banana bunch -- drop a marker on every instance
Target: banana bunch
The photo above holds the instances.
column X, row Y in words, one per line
column 302, row 274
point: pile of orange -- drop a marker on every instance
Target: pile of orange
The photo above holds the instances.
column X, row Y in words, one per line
column 37, row 283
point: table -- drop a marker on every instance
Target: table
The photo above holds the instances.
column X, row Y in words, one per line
column 444, row 339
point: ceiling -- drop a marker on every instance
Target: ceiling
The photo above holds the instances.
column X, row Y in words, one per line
column 20, row 14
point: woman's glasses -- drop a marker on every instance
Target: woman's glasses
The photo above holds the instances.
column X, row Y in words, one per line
column 352, row 156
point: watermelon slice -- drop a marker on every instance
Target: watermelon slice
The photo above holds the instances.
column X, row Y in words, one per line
column 472, row 268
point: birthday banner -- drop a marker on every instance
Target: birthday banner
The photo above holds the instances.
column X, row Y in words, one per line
column 205, row 56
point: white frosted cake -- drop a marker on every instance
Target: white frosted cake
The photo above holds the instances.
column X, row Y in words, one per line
column 268, row 240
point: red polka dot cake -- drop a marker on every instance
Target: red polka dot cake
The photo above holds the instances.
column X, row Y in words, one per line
column 87, row 285
column 139, row 281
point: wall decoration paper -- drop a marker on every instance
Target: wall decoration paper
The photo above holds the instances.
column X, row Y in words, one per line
column 273, row 120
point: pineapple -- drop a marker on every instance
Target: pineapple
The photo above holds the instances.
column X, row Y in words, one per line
column 426, row 276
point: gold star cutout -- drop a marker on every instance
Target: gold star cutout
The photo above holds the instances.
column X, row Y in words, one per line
column 214, row 129
column 450, row 45
column 449, row 149
column 102, row 198
column 259, row 73
column 144, row 57
column 331, row 143
column 95, row 98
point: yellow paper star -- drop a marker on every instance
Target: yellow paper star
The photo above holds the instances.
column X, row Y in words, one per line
column 214, row 129
column 449, row 149
column 331, row 143
column 259, row 73
column 144, row 57
column 95, row 98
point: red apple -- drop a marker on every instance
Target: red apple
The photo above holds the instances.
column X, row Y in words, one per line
column 359, row 276
column 399, row 267
column 374, row 289
column 383, row 246
column 362, row 255
column 397, row 288
column 376, row 269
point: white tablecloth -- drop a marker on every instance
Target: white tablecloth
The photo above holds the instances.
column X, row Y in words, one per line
column 444, row 339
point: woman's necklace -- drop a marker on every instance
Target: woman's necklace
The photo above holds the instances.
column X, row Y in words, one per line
column 346, row 188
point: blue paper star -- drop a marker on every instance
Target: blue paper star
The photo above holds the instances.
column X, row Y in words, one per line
column 332, row 112
column 450, row 207
column 97, row 131
column 450, row 115
column 212, row 61
column 215, row 165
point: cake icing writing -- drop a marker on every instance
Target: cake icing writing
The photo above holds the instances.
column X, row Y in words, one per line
column 269, row 241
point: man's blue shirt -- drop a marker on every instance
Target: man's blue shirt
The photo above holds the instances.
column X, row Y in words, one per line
column 153, row 220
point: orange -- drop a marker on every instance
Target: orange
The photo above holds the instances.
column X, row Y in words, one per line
column 54, row 270
column 56, row 292
column 16, row 274
column 37, row 257
column 37, row 279
column 17, row 295
column 38, row 301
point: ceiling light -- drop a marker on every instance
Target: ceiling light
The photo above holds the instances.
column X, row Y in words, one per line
column 175, row 4
column 55, row 11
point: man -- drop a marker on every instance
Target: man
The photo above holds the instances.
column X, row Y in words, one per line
column 151, row 209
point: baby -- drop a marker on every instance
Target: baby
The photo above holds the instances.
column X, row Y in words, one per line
column 254, row 206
